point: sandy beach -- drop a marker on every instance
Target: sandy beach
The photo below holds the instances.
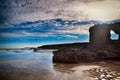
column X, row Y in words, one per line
column 28, row 65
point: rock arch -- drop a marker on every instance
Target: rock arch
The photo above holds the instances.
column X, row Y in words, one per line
column 100, row 33
column 116, row 28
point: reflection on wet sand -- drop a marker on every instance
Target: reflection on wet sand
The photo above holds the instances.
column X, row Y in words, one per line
column 40, row 67
column 73, row 71
column 91, row 71
column 41, row 71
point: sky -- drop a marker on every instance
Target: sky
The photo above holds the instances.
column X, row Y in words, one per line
column 26, row 23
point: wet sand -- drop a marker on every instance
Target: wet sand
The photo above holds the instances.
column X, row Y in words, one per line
column 27, row 65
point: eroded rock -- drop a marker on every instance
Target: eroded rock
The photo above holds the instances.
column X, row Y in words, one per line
column 90, row 54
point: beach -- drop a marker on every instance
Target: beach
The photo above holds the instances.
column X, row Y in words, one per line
column 29, row 65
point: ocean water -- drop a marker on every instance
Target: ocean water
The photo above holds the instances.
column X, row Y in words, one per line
column 29, row 65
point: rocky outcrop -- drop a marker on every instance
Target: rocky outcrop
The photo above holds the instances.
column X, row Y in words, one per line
column 100, row 33
column 89, row 54
column 101, row 47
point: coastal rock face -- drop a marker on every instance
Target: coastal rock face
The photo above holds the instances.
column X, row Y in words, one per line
column 101, row 47
column 100, row 33
column 89, row 54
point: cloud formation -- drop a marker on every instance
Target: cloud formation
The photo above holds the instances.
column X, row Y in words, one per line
column 16, row 11
column 42, row 21
column 84, row 29
column 47, row 28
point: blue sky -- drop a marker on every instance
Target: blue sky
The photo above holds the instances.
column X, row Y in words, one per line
column 42, row 32
column 26, row 23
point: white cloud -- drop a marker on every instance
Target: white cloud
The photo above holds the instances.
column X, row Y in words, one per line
column 25, row 34
column 71, row 36
column 65, row 32
column 105, row 10
column 84, row 29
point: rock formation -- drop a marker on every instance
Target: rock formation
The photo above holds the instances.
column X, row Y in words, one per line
column 116, row 28
column 99, row 36
column 89, row 54
column 100, row 33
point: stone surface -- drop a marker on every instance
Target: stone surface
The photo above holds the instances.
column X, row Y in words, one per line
column 100, row 33
column 88, row 54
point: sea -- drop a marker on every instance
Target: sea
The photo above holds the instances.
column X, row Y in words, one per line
column 29, row 65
